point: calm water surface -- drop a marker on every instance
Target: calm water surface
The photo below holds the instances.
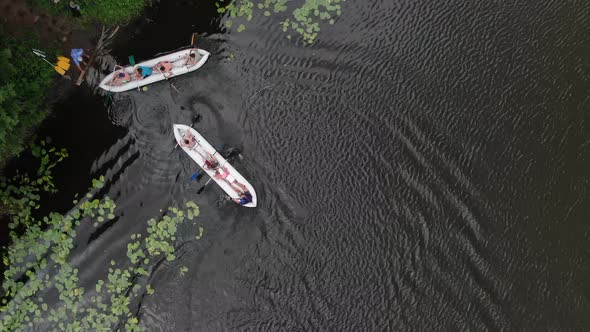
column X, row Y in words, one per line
column 424, row 166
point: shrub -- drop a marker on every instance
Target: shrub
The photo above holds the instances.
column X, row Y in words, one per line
column 24, row 83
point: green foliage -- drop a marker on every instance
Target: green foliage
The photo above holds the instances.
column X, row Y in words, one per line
column 201, row 230
column 108, row 12
column 22, row 193
column 305, row 19
column 49, row 6
column 36, row 263
column 111, row 12
column 24, row 83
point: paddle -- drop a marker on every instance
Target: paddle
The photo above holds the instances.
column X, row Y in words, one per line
column 195, row 176
column 63, row 64
column 59, row 69
column 228, row 161
column 203, row 187
column 62, row 58
column 188, row 59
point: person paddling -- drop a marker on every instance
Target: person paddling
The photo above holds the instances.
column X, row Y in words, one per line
column 190, row 141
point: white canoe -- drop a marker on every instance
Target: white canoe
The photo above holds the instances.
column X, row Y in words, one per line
column 196, row 153
column 179, row 66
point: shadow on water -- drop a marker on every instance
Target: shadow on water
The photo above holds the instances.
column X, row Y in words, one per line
column 80, row 124
column 165, row 27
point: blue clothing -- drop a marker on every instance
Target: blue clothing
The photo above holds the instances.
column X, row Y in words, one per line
column 76, row 55
column 247, row 199
column 145, row 71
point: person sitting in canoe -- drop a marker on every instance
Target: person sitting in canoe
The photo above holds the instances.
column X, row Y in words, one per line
column 242, row 190
column 191, row 59
column 142, row 72
column 121, row 77
column 190, row 141
column 163, row 67
column 223, row 174
column 211, row 163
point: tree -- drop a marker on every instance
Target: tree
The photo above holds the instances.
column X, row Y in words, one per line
column 24, row 83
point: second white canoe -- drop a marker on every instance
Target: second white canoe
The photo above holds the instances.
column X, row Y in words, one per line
column 196, row 154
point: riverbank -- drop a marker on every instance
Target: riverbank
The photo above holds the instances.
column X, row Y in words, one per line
column 19, row 17
column 29, row 85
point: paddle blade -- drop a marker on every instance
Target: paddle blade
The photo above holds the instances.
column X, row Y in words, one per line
column 132, row 60
column 63, row 59
column 39, row 54
column 195, row 176
column 201, row 190
column 60, row 70
column 196, row 120
column 64, row 65
column 193, row 39
column 230, row 153
column 203, row 187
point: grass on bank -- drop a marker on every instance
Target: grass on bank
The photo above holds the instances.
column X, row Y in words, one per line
column 107, row 12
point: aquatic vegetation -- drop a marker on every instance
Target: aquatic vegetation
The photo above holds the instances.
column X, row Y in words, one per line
column 305, row 19
column 21, row 197
column 201, row 231
column 183, row 270
column 114, row 296
column 37, row 262
column 23, row 86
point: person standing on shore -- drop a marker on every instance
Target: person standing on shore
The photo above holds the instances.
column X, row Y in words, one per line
column 79, row 57
column 75, row 8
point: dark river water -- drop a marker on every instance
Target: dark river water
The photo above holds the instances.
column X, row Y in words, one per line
column 423, row 166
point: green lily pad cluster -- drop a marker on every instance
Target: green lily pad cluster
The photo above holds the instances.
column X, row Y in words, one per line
column 305, row 19
column 123, row 285
column 37, row 261
column 20, row 196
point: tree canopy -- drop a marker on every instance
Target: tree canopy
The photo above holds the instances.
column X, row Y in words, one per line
column 24, row 83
